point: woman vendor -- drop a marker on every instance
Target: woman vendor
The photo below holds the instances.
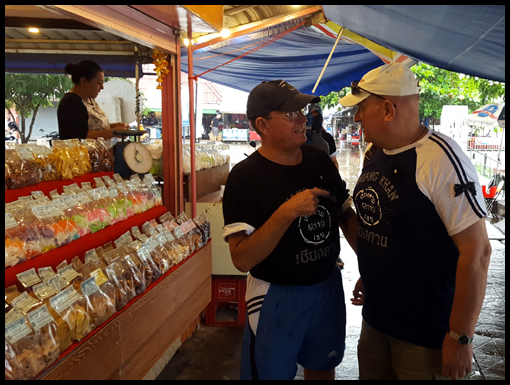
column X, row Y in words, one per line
column 79, row 115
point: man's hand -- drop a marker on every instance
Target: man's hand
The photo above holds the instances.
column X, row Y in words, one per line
column 457, row 358
column 304, row 203
column 358, row 293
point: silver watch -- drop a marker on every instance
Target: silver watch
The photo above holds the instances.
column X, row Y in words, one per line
column 461, row 338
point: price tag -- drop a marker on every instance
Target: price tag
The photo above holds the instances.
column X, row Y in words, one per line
column 16, row 330
column 99, row 276
column 29, row 278
column 39, row 317
column 89, row 286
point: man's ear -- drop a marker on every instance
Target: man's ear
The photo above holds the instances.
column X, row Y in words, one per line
column 390, row 111
column 261, row 124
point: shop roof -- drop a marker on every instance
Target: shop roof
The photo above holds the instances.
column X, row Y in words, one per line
column 464, row 38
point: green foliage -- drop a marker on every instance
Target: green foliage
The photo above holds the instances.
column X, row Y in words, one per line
column 29, row 92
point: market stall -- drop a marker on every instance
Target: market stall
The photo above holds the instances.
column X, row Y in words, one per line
column 84, row 331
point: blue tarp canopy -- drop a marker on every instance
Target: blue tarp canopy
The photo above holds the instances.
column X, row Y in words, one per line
column 463, row 38
column 298, row 58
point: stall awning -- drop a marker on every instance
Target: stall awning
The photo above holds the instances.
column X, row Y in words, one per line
column 121, row 66
column 463, row 38
column 297, row 58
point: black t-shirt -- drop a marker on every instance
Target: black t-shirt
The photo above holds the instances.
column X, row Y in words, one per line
column 72, row 117
column 330, row 141
column 307, row 252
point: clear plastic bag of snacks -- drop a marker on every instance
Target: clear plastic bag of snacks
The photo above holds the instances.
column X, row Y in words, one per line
column 15, row 250
column 63, row 159
column 46, row 330
column 25, row 343
column 14, row 370
column 80, row 155
column 99, row 292
column 145, row 255
column 191, row 232
column 118, row 276
column 44, row 159
column 20, row 168
column 99, row 216
column 71, row 307
column 94, row 154
column 64, row 228
column 144, row 268
column 204, row 226
column 107, row 155
column 75, row 213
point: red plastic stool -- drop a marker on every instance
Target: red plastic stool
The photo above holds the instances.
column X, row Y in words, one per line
column 228, row 305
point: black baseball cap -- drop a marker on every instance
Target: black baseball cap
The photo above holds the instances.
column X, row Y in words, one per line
column 276, row 95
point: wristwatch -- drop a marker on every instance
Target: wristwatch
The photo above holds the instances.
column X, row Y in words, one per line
column 461, row 338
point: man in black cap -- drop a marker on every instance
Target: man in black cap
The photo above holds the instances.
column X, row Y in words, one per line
column 283, row 206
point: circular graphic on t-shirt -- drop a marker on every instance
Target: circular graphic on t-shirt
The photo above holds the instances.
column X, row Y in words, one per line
column 316, row 228
column 368, row 206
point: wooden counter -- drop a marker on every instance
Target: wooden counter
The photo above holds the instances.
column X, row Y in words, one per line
column 130, row 344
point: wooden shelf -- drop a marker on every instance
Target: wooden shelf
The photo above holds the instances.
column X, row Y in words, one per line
column 128, row 346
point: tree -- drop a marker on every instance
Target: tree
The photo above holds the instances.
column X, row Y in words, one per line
column 28, row 92
column 440, row 87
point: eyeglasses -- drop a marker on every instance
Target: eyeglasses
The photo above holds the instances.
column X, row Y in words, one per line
column 356, row 90
column 293, row 115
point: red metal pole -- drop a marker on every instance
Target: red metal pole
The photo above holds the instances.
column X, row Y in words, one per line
column 193, row 181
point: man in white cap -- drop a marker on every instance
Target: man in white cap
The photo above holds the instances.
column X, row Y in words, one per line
column 422, row 244
column 283, row 206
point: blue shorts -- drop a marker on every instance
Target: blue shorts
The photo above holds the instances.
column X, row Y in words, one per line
column 286, row 325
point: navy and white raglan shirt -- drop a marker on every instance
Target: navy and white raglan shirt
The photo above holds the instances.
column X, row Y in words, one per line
column 308, row 250
column 410, row 202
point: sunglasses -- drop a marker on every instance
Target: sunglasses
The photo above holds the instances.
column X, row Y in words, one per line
column 356, row 90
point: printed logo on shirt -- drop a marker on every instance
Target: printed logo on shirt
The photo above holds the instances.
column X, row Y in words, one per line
column 316, row 228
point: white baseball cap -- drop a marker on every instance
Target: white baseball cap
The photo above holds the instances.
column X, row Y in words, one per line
column 391, row 79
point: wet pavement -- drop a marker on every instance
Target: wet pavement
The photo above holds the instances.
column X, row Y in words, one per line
column 214, row 353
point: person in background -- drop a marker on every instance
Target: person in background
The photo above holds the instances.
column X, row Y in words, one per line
column 79, row 115
column 283, row 206
column 422, row 244
column 215, row 129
